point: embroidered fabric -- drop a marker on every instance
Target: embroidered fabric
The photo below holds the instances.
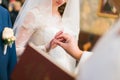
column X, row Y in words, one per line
column 36, row 24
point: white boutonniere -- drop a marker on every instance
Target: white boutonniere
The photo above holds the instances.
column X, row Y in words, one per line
column 8, row 38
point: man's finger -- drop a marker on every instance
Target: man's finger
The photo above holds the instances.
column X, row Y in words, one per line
column 59, row 43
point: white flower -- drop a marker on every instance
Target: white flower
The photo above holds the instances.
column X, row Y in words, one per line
column 8, row 38
column 7, row 33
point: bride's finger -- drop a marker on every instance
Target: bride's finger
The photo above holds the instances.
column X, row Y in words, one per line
column 64, row 36
column 58, row 33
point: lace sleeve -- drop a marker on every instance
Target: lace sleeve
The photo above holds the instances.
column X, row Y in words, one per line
column 24, row 33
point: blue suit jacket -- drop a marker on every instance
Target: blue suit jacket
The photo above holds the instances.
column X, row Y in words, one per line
column 8, row 61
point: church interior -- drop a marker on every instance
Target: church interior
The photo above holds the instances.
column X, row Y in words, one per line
column 96, row 18
column 94, row 21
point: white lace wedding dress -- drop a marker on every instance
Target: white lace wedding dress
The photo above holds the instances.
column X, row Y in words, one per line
column 40, row 30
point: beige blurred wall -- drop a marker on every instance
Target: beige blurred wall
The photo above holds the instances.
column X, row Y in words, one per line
column 90, row 21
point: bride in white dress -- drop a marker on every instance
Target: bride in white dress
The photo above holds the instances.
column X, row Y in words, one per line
column 39, row 21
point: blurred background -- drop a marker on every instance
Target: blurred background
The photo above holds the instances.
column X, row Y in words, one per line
column 13, row 7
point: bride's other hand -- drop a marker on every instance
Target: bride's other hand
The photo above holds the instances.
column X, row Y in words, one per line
column 52, row 44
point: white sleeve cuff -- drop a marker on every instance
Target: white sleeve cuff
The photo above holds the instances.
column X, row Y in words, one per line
column 85, row 56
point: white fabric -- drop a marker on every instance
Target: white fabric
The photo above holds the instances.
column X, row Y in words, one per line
column 72, row 14
column 84, row 58
column 104, row 64
column 0, row 1
column 45, row 7
column 40, row 29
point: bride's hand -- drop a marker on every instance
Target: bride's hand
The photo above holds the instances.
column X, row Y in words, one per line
column 52, row 43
